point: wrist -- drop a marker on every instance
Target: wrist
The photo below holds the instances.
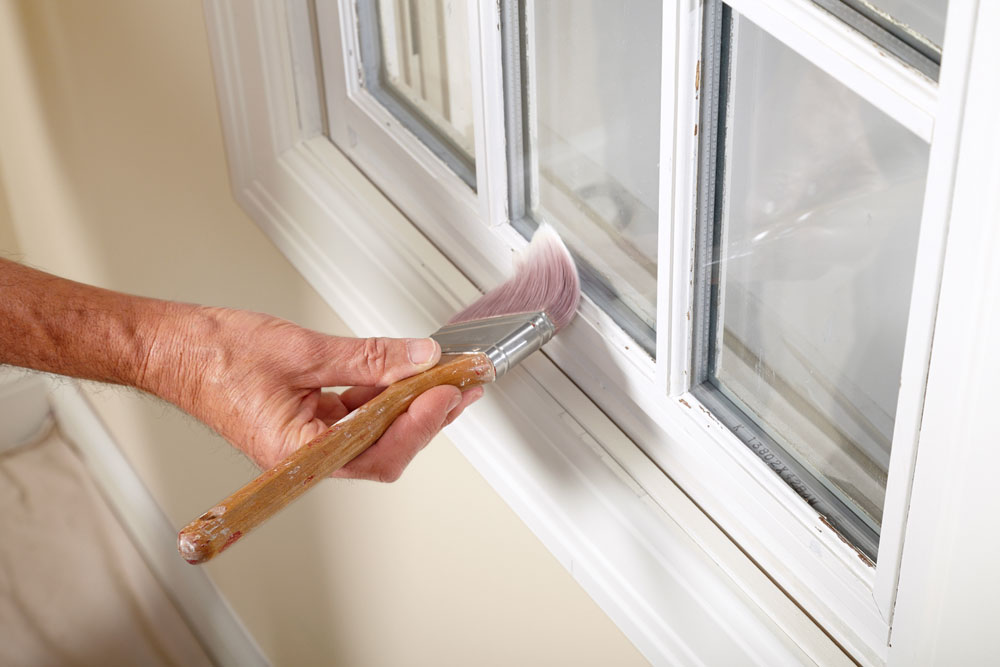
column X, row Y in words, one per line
column 177, row 343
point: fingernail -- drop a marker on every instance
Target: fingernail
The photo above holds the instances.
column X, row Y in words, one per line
column 454, row 403
column 420, row 350
column 474, row 394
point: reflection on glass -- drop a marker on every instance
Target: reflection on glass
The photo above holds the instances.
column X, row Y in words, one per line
column 814, row 250
column 593, row 85
column 417, row 63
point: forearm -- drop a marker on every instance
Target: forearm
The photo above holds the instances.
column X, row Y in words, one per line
column 60, row 326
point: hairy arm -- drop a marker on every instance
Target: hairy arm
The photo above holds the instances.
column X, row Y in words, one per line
column 60, row 326
column 253, row 378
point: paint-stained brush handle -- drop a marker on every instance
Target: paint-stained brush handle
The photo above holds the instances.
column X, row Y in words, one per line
column 219, row 527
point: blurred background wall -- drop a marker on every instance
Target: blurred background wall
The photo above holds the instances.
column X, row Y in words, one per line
column 112, row 172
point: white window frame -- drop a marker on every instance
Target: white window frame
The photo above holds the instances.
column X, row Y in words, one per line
column 683, row 586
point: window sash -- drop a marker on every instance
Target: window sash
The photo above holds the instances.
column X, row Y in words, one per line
column 678, row 432
column 608, row 293
column 909, row 98
column 430, row 193
column 418, row 121
column 714, row 204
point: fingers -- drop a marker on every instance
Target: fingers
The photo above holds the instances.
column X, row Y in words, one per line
column 409, row 433
column 375, row 361
column 386, row 459
column 331, row 408
column 469, row 397
column 355, row 397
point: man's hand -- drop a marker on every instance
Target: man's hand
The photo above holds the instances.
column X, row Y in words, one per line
column 257, row 381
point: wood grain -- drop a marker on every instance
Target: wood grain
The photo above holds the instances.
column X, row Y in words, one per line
column 237, row 515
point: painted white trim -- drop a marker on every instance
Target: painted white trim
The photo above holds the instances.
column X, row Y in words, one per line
column 674, row 582
column 305, row 64
column 206, row 611
column 682, row 73
column 920, row 327
column 849, row 598
column 948, row 599
column 491, row 132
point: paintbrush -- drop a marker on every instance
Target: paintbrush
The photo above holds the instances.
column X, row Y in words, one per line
column 478, row 345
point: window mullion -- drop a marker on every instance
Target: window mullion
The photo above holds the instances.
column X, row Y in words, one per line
column 486, row 52
column 679, row 119
column 303, row 45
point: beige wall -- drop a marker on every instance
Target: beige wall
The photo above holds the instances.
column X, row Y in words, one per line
column 114, row 172
column 8, row 242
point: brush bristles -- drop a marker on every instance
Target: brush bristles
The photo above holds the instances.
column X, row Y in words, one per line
column 545, row 278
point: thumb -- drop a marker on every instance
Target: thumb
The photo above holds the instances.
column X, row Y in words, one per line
column 376, row 361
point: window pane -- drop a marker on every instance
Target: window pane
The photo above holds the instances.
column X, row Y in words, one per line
column 812, row 266
column 592, row 84
column 417, row 63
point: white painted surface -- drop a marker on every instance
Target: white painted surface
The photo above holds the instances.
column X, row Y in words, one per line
column 931, row 251
column 948, row 597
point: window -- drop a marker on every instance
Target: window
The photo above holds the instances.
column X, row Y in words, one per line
column 811, row 183
column 806, row 265
column 585, row 143
column 579, row 151
column 757, row 195
column 415, row 59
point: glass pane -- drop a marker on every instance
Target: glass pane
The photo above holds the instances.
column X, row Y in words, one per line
column 592, row 87
column 417, row 63
column 813, row 261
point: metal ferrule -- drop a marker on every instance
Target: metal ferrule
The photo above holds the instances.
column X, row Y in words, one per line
column 506, row 339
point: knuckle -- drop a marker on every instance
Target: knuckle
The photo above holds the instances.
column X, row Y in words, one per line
column 423, row 435
column 390, row 474
column 429, row 432
column 373, row 356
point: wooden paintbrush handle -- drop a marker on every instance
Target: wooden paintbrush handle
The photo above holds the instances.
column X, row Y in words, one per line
column 235, row 516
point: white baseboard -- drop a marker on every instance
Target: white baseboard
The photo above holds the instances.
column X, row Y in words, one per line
column 209, row 615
